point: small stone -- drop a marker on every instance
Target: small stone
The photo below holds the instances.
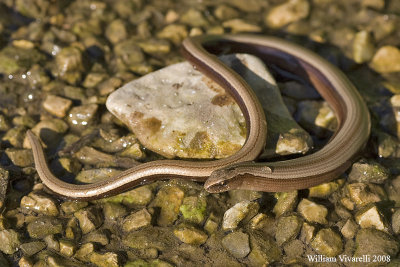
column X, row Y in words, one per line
column 239, row 212
column 370, row 217
column 224, row 12
column 169, row 199
column 264, row 250
column 288, row 12
column 264, row 223
column 57, row 106
column 349, row 229
column 160, row 238
column 134, row 151
column 84, row 252
column 31, row 248
column 23, row 262
column 173, row 32
column 43, row 226
column 316, row 117
column 312, row 211
column 211, row 224
column 193, row 18
column 286, row 201
column 67, row 247
column 325, row 190
column 190, row 235
column 81, row 117
column 237, row 244
column 396, row 221
column 20, row 157
column 89, row 219
column 52, row 242
column 49, row 132
column 136, row 220
column 307, row 233
column 375, row 242
column 363, row 47
column 193, row 209
column 109, row 259
column 155, row 46
column 236, row 196
column 113, row 211
column 288, row 227
column 39, row 203
column 386, row 60
column 368, row 172
column 91, row 156
column 9, row 241
column 69, row 65
column 14, row 136
column 4, row 125
column 138, row 197
column 95, row 175
column 69, row 207
column 24, row 120
column 116, row 31
column 376, row 4
column 97, row 237
column 239, row 25
column 327, row 242
column 362, row 194
column 108, row 86
column 4, row 180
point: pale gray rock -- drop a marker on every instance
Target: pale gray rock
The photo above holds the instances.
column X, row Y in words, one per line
column 178, row 112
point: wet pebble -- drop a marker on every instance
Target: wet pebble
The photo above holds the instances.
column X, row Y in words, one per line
column 370, row 217
column 169, row 200
column 362, row 194
column 32, row 248
column 136, row 220
column 375, row 242
column 386, row 59
column 9, row 241
column 237, row 244
column 326, row 189
column 108, row 259
column 69, row 207
column 327, row 242
column 69, row 65
column 81, row 117
column 288, row 12
column 113, row 211
column 288, row 227
column 57, row 106
column 43, row 226
column 116, row 31
column 396, row 221
column 40, row 203
column 312, row 211
column 349, row 229
column 238, row 213
column 89, row 219
column 20, row 157
column 4, row 124
column 190, row 235
column 193, row 209
column 286, row 201
column 263, row 250
column 363, row 47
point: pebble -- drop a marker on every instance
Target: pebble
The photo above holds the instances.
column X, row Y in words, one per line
column 97, row 237
column 9, row 241
column 4, row 124
column 312, row 211
column 4, row 180
column 138, row 197
column 67, row 247
column 307, row 232
column 20, row 157
column 225, row 12
column 95, row 175
column 168, row 199
column 57, row 106
column 327, row 242
column 325, row 190
column 136, row 220
column 368, row 172
column 239, row 25
column 286, row 202
column 39, row 203
column 193, row 209
column 386, row 59
column 190, row 235
column 370, row 217
column 288, row 227
column 193, row 18
column 396, row 221
column 349, row 229
column 113, row 211
column 362, row 194
column 89, row 219
column 363, row 47
column 176, row 33
column 81, row 117
column 69, row 65
column 108, row 259
column 237, row 244
column 84, row 252
column 49, row 132
column 264, row 250
column 375, row 242
column 69, row 207
column 288, row 12
column 238, row 213
column 316, row 117
column 116, row 31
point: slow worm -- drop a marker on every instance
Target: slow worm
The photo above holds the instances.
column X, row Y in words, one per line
column 238, row 171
